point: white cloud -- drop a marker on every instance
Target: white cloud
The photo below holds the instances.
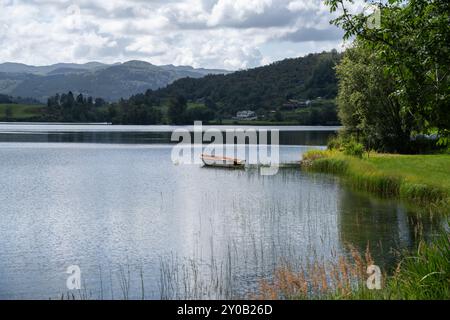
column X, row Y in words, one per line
column 307, row 5
column 230, row 34
column 226, row 11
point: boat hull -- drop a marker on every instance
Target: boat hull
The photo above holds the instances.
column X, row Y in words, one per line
column 222, row 162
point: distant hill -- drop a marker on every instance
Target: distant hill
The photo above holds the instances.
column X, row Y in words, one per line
column 266, row 88
column 110, row 82
column 5, row 99
column 11, row 67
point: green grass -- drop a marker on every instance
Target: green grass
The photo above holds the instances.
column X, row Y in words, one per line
column 424, row 275
column 20, row 111
column 427, row 169
column 414, row 177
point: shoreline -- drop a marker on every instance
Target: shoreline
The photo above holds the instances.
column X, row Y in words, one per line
column 389, row 175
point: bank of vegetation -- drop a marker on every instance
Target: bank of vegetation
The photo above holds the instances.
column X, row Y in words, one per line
column 20, row 112
column 394, row 80
column 19, row 109
column 421, row 275
column 393, row 98
column 421, row 178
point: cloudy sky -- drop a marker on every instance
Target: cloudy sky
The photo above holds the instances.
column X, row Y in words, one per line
column 230, row 34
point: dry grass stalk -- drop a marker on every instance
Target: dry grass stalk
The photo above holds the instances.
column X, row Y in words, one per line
column 317, row 280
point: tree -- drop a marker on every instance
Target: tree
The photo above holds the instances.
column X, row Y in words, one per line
column 177, row 109
column 65, row 108
column 198, row 113
column 80, row 99
column 314, row 117
column 5, row 99
column 278, row 116
column 8, row 113
column 412, row 42
column 99, row 102
column 70, row 100
column 367, row 105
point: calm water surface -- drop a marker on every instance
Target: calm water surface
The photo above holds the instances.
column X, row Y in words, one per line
column 15, row 132
column 124, row 213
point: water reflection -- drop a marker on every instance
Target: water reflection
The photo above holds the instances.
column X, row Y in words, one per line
column 384, row 225
column 102, row 133
column 164, row 137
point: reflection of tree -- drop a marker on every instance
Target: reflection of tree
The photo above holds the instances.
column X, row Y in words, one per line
column 308, row 138
column 384, row 225
column 96, row 137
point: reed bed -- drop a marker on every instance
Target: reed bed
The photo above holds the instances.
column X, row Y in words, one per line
column 420, row 274
column 318, row 279
column 424, row 275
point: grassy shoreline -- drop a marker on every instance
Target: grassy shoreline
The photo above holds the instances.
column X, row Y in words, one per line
column 20, row 112
column 419, row 178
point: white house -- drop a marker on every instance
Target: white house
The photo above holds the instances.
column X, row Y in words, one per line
column 246, row 115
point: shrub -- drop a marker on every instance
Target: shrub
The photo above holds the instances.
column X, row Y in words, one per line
column 312, row 155
column 354, row 149
column 335, row 143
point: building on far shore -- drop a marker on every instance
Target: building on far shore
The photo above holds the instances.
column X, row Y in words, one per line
column 293, row 104
column 246, row 115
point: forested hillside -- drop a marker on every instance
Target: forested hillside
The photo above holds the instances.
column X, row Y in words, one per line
column 267, row 87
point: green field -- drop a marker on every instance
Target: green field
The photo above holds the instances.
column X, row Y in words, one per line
column 417, row 177
column 427, row 169
column 19, row 111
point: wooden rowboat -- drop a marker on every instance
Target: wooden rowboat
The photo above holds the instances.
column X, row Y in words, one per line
column 223, row 162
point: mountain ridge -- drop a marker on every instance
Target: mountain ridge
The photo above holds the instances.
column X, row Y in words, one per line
column 109, row 81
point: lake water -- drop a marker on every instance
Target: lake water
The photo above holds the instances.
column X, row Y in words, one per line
column 289, row 135
column 110, row 200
